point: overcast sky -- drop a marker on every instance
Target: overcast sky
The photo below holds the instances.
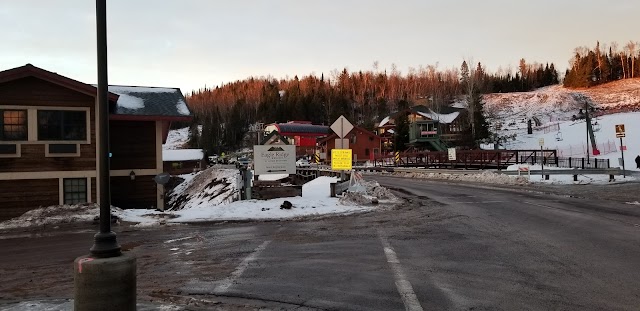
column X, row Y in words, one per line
column 193, row 43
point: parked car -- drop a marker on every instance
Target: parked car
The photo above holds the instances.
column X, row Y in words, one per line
column 303, row 163
column 242, row 162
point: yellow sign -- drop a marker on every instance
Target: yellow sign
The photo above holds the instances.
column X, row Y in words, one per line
column 341, row 159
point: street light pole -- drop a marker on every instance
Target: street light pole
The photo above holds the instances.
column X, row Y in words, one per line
column 588, row 120
column 105, row 243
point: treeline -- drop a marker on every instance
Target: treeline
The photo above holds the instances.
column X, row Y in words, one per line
column 590, row 67
column 364, row 97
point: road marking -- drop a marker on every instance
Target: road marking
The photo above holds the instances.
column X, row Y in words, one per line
column 479, row 202
column 405, row 289
column 229, row 281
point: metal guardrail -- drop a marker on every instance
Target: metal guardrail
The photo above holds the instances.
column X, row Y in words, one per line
column 575, row 171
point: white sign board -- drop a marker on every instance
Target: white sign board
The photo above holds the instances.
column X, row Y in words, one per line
column 541, row 142
column 452, row 154
column 342, row 127
column 274, row 159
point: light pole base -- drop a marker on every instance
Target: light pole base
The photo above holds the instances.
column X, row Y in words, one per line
column 105, row 283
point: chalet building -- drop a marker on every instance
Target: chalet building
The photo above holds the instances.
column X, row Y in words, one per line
column 365, row 145
column 183, row 161
column 427, row 129
column 302, row 134
column 49, row 141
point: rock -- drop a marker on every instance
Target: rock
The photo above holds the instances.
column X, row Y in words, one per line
column 374, row 201
column 286, row 205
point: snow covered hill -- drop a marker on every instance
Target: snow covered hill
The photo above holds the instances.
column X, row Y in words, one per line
column 559, row 103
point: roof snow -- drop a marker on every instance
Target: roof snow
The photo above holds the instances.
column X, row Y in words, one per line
column 442, row 118
column 384, row 121
column 149, row 101
column 182, row 108
column 182, row 155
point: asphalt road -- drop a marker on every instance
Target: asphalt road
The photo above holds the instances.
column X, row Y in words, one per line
column 449, row 247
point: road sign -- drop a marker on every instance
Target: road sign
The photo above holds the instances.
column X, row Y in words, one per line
column 342, row 143
column 541, row 142
column 341, row 159
column 620, row 130
column 342, row 127
column 452, row 154
column 316, row 158
column 274, row 159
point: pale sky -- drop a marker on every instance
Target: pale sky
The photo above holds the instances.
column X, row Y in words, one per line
column 193, row 43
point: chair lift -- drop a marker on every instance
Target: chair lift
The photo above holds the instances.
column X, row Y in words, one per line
column 559, row 136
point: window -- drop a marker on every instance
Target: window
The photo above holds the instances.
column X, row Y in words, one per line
column 75, row 190
column 366, row 152
column 13, row 125
column 62, row 125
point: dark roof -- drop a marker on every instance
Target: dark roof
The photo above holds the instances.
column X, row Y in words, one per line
column 29, row 70
column 149, row 101
column 301, row 128
column 132, row 102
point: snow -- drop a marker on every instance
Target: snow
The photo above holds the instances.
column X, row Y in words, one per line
column 182, row 108
column 209, row 187
column 176, row 139
column 566, row 179
column 203, row 204
column 442, row 118
column 182, row 155
column 384, row 121
column 130, row 102
column 574, row 139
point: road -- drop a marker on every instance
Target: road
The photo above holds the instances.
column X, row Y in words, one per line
column 449, row 247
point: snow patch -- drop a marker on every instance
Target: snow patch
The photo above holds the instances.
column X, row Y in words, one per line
column 182, row 108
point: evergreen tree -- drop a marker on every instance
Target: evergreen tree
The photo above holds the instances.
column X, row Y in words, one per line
column 402, row 126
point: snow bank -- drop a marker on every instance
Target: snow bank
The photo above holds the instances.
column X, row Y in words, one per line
column 484, row 177
column 212, row 186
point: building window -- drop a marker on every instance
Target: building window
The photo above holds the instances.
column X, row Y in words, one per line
column 75, row 190
column 353, row 139
column 366, row 152
column 13, row 125
column 62, row 125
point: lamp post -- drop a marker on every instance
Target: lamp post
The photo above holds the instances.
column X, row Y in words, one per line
column 106, row 278
column 105, row 243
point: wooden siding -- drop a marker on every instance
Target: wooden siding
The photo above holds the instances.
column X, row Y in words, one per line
column 133, row 144
column 20, row 196
column 138, row 193
column 363, row 142
column 30, row 92
column 33, row 160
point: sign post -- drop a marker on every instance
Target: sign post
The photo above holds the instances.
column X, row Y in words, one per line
column 341, row 127
column 541, row 142
column 619, row 134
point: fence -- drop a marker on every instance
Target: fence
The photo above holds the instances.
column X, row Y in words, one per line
column 580, row 150
column 569, row 162
column 553, row 127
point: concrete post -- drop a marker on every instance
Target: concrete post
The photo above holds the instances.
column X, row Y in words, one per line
column 105, row 284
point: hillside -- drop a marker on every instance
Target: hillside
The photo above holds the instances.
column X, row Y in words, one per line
column 559, row 103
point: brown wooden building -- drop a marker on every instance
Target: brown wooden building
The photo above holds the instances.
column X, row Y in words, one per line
column 364, row 144
column 183, row 161
column 49, row 143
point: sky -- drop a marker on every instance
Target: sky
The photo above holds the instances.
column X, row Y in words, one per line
column 195, row 43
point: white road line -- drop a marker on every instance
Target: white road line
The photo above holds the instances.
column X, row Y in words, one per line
column 479, row 202
column 405, row 289
column 229, row 281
